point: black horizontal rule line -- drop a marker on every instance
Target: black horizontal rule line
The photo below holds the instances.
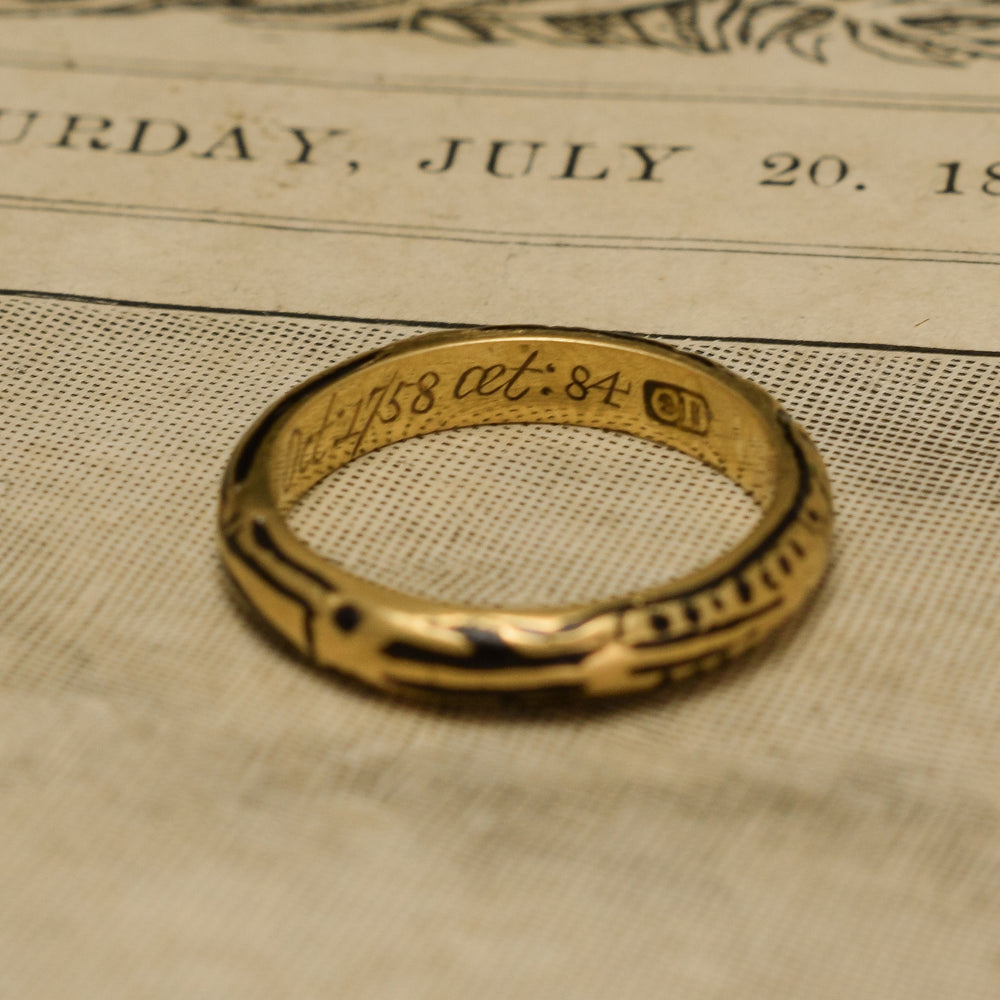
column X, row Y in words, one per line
column 98, row 300
column 200, row 71
column 499, row 240
column 356, row 227
column 528, row 89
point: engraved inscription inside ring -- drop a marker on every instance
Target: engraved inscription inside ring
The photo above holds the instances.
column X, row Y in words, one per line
column 677, row 407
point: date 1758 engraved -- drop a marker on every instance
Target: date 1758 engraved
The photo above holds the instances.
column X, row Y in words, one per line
column 349, row 421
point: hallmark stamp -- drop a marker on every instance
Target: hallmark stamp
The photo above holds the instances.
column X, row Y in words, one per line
column 677, row 407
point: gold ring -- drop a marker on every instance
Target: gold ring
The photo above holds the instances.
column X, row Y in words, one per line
column 463, row 378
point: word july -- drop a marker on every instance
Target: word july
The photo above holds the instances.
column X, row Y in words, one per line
column 508, row 159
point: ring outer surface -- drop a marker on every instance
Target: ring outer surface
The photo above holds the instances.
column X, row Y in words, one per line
column 415, row 647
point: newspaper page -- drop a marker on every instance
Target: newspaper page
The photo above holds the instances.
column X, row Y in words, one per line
column 203, row 203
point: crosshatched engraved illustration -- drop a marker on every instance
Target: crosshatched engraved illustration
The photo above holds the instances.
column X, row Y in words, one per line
column 911, row 31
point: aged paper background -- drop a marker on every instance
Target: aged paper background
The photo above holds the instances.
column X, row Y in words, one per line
column 200, row 206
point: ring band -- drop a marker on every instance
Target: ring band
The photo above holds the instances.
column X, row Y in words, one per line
column 462, row 378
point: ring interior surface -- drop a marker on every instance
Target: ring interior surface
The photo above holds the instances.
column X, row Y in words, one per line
column 411, row 645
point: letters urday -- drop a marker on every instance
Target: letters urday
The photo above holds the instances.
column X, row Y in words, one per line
column 165, row 136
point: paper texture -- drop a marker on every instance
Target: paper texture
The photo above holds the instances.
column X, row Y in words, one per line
column 202, row 205
column 186, row 157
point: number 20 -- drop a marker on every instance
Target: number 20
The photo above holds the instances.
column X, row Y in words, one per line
column 825, row 171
